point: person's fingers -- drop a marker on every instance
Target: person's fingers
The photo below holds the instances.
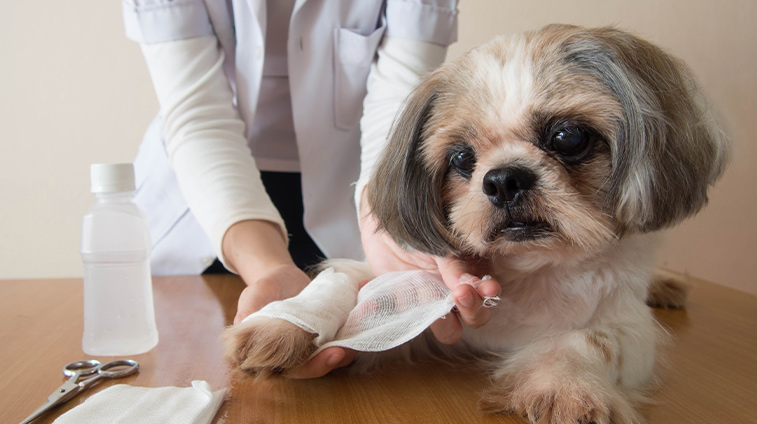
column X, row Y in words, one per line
column 447, row 330
column 452, row 270
column 489, row 288
column 321, row 364
column 469, row 291
column 349, row 356
column 325, row 362
column 469, row 306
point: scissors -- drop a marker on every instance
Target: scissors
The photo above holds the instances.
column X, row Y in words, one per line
column 76, row 370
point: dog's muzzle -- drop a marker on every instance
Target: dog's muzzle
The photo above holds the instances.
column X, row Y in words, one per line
column 505, row 186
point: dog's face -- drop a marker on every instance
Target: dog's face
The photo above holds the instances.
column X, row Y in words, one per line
column 564, row 139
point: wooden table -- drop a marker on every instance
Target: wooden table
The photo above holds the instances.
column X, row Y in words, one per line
column 711, row 376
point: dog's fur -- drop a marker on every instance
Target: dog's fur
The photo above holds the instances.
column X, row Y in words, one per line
column 556, row 155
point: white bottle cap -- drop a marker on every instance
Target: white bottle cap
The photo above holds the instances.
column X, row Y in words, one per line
column 112, row 177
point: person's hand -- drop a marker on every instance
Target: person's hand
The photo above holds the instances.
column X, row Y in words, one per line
column 384, row 255
column 468, row 299
column 258, row 252
column 278, row 282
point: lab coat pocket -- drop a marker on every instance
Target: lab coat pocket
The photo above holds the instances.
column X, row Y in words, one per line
column 353, row 55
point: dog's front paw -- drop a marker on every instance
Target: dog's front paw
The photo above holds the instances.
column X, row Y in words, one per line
column 669, row 290
column 556, row 400
column 265, row 347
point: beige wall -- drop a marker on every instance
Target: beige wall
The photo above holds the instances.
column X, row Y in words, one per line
column 74, row 91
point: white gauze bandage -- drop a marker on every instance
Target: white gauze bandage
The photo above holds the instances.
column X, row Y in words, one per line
column 321, row 307
column 388, row 311
column 393, row 309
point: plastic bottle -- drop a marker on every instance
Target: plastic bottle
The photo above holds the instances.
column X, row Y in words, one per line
column 119, row 316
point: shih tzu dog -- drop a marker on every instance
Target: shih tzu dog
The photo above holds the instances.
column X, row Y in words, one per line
column 557, row 156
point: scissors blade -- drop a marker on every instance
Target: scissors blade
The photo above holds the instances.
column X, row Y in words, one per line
column 65, row 392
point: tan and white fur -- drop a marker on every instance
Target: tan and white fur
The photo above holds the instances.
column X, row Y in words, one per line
column 557, row 156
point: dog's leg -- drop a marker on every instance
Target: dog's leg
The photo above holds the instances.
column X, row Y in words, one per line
column 268, row 344
column 586, row 376
column 668, row 290
column 265, row 347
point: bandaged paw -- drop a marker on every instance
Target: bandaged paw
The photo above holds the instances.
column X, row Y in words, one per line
column 321, row 308
column 387, row 312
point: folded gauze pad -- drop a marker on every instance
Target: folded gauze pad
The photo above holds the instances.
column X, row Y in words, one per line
column 387, row 312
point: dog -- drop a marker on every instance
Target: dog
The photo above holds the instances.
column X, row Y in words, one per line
column 559, row 156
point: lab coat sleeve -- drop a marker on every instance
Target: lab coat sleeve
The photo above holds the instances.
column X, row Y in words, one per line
column 205, row 137
column 432, row 21
column 417, row 36
column 400, row 65
column 159, row 21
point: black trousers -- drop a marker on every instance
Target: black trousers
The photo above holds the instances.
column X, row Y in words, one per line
column 285, row 191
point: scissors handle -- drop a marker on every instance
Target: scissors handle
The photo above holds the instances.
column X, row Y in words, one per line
column 75, row 369
column 118, row 369
column 114, row 369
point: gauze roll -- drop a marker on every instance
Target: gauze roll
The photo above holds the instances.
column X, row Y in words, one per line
column 393, row 309
column 387, row 312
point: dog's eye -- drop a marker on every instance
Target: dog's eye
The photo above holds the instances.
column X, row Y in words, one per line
column 570, row 141
column 463, row 160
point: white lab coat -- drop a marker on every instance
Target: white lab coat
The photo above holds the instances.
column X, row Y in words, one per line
column 331, row 47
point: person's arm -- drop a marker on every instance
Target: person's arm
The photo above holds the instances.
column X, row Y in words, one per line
column 400, row 65
column 256, row 249
column 205, row 139
column 208, row 151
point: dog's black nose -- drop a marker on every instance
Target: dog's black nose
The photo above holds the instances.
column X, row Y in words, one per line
column 506, row 184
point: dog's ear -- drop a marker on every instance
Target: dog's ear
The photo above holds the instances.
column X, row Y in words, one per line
column 404, row 193
column 670, row 146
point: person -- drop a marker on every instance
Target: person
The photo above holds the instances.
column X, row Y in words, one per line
column 269, row 113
